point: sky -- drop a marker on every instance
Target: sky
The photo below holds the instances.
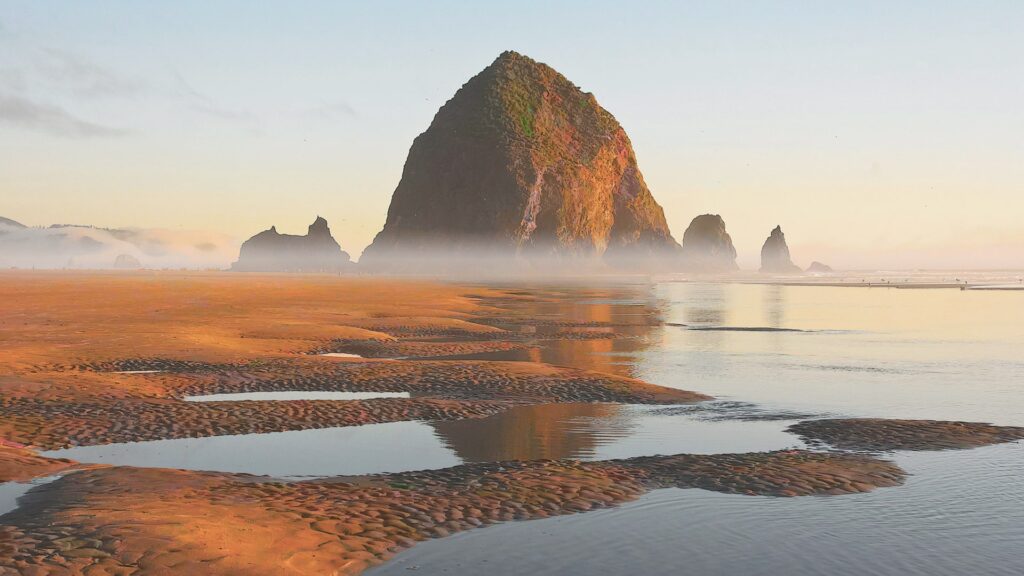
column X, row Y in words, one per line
column 878, row 134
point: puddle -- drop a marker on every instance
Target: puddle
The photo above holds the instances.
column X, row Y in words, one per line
column 392, row 447
column 341, row 355
column 138, row 371
column 583, row 431
column 744, row 329
column 10, row 492
column 294, row 395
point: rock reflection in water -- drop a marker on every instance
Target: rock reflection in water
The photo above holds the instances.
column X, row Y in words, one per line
column 606, row 431
column 597, row 329
column 535, row 432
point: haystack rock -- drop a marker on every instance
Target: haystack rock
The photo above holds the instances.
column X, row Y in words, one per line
column 775, row 254
column 270, row 251
column 819, row 268
column 707, row 246
column 127, row 262
column 521, row 164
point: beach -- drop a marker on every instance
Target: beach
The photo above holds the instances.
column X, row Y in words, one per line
column 543, row 399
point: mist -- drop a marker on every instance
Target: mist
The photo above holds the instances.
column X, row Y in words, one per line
column 86, row 247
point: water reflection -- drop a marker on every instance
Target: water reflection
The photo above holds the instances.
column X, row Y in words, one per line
column 607, row 431
column 775, row 306
column 535, row 432
column 706, row 305
column 942, row 354
column 601, row 329
column 582, row 431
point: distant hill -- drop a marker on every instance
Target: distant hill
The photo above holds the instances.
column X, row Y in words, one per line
column 11, row 223
column 91, row 247
column 522, row 164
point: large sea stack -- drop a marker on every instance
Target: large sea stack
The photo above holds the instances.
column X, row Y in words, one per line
column 707, row 247
column 775, row 257
column 270, row 251
column 521, row 165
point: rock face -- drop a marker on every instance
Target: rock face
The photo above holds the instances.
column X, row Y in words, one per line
column 521, row 164
column 270, row 251
column 127, row 262
column 819, row 268
column 775, row 254
column 707, row 246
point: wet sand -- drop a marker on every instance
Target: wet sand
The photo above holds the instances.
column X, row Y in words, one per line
column 121, row 520
column 21, row 464
column 106, row 358
column 882, row 435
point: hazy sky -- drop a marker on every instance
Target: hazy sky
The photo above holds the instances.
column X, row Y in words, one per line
column 876, row 133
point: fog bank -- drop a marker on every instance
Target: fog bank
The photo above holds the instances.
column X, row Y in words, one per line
column 86, row 247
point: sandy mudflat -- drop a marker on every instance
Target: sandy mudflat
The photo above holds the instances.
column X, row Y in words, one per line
column 880, row 435
column 117, row 520
column 107, row 358
column 104, row 358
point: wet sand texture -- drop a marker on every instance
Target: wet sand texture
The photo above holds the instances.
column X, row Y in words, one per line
column 122, row 520
column 107, row 358
column 20, row 464
column 881, row 435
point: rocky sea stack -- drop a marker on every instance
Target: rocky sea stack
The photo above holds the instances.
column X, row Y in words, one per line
column 127, row 262
column 707, row 247
column 270, row 251
column 775, row 257
column 521, row 164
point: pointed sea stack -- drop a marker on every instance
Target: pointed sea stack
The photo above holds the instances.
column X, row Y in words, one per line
column 270, row 251
column 775, row 255
column 521, row 165
column 707, row 247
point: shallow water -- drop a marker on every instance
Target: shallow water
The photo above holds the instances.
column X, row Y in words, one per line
column 942, row 522
column 10, row 492
column 944, row 354
column 583, row 431
column 294, row 395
